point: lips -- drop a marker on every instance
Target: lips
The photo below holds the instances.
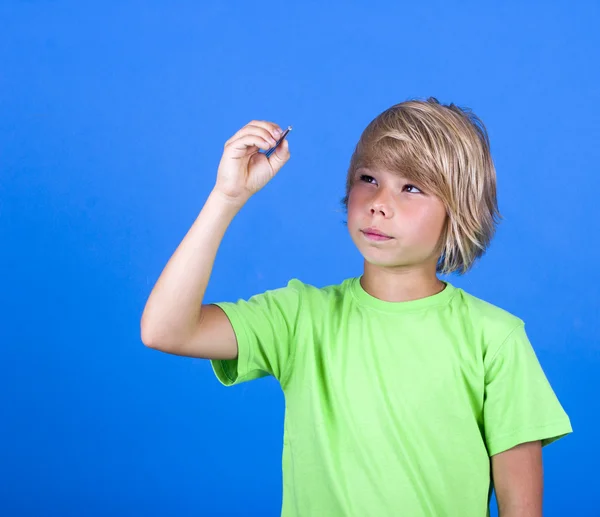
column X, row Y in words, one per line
column 376, row 234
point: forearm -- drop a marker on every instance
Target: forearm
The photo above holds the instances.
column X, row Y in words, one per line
column 173, row 307
column 518, row 480
column 520, row 512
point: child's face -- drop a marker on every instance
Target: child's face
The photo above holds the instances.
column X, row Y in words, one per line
column 411, row 220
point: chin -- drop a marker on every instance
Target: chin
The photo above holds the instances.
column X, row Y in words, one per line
column 380, row 258
column 381, row 262
column 388, row 259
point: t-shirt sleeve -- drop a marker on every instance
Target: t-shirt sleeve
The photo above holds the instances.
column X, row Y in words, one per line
column 520, row 405
column 264, row 326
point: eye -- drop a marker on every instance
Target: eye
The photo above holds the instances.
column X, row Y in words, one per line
column 366, row 178
column 415, row 189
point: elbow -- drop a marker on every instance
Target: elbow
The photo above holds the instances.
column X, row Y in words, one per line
column 148, row 337
column 155, row 341
column 151, row 336
column 159, row 338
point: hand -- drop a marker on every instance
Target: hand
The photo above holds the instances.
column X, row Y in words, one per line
column 243, row 171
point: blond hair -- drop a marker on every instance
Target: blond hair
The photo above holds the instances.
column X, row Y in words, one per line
column 446, row 151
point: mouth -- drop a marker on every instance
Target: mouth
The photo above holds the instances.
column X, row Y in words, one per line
column 375, row 235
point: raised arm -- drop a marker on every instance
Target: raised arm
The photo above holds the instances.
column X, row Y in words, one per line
column 175, row 320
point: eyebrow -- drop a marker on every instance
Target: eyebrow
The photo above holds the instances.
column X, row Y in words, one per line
column 394, row 174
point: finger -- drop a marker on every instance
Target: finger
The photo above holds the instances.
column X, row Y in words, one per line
column 253, row 131
column 271, row 127
column 258, row 131
column 280, row 156
column 245, row 144
column 265, row 129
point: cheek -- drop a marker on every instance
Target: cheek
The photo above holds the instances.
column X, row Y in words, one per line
column 436, row 220
column 430, row 220
column 355, row 201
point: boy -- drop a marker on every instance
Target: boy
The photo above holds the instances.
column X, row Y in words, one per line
column 405, row 396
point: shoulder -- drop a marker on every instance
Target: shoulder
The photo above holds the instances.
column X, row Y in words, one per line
column 486, row 313
column 491, row 323
column 295, row 296
column 319, row 295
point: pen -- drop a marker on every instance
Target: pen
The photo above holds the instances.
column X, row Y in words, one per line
column 272, row 150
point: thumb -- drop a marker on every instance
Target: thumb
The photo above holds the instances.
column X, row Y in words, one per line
column 280, row 156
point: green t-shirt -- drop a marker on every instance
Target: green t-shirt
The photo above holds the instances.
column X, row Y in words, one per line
column 392, row 408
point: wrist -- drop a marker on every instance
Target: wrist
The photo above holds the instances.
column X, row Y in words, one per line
column 223, row 205
column 228, row 201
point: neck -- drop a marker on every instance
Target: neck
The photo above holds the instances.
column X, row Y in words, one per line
column 400, row 285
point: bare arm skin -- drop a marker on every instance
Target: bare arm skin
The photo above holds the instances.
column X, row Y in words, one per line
column 518, row 480
column 175, row 320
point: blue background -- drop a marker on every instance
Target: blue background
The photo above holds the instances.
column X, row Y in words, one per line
column 112, row 122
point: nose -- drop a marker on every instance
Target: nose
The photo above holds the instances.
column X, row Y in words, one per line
column 381, row 205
